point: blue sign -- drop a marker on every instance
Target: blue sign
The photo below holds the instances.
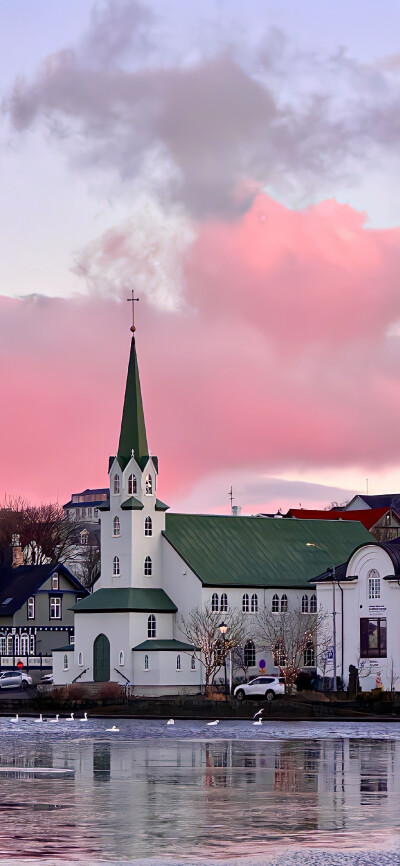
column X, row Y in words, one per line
column 330, row 654
column 262, row 663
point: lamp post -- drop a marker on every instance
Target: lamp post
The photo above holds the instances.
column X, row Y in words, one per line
column 223, row 628
column 331, row 571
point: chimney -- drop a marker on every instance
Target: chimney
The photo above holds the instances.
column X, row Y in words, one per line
column 236, row 510
column 17, row 557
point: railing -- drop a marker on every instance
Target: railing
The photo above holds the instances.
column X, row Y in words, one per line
column 80, row 675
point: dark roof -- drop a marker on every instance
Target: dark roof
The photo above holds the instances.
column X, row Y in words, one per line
column 132, row 504
column 93, row 491
column 391, row 547
column 250, row 551
column 173, row 645
column 161, row 506
column 367, row 516
column 63, row 649
column 92, row 504
column 122, row 599
column 381, row 500
column 18, row 584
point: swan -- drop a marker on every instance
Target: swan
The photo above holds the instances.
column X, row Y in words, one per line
column 40, row 719
column 85, row 718
column 170, row 722
column 15, row 719
column 213, row 723
column 258, row 722
column 113, row 730
column 70, row 718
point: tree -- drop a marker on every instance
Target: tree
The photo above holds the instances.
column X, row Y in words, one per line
column 46, row 535
column 200, row 629
column 89, row 564
column 289, row 636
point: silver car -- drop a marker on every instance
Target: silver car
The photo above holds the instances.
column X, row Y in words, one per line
column 267, row 687
column 10, row 680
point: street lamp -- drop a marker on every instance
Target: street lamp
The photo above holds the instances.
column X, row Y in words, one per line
column 223, row 628
column 331, row 571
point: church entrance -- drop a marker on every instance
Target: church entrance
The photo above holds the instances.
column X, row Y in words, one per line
column 101, row 659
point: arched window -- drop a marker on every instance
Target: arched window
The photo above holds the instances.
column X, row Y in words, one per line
column 193, row 663
column 116, row 526
column 148, row 526
column 313, row 603
column 132, row 485
column 245, row 603
column 254, row 603
column 224, row 602
column 178, row 663
column 275, row 603
column 116, row 483
column 284, row 603
column 214, row 602
column 84, row 537
column 304, row 604
column 249, row 656
column 10, row 645
column 65, row 662
column 2, row 645
column 16, row 644
column 148, row 566
column 121, row 659
column 149, row 484
column 116, row 571
column 24, row 647
column 32, row 645
column 151, row 626
column 309, row 655
column 80, row 659
column 279, row 655
column 146, row 663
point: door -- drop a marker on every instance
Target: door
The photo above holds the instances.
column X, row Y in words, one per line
column 101, row 659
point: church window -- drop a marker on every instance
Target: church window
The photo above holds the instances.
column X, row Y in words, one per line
column 284, row 603
column 121, row 659
column 178, row 663
column 149, row 485
column 148, row 526
column 116, row 526
column 309, row 655
column 116, row 571
column 304, row 604
column 148, row 566
column 214, row 602
column 32, row 647
column 24, row 648
column 245, row 603
column 224, row 602
column 151, row 626
column 2, row 645
column 275, row 603
column 132, row 486
column 193, row 663
column 80, row 659
column 254, row 603
column 146, row 663
column 116, row 483
column 65, row 662
column 313, row 603
column 374, row 584
column 31, row 607
column 249, row 656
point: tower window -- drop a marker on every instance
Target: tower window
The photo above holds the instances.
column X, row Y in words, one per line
column 254, row 603
column 224, row 602
column 116, row 571
column 116, row 526
column 132, row 485
column 214, row 602
column 151, row 626
column 116, row 483
column 245, row 603
column 149, row 485
column 148, row 526
column 148, row 567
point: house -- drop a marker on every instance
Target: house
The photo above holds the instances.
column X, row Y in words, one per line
column 381, row 500
column 383, row 523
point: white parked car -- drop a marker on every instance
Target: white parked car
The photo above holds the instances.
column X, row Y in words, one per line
column 267, row 687
column 14, row 679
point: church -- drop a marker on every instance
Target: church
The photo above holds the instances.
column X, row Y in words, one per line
column 157, row 567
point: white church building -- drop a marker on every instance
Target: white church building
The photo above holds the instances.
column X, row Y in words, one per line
column 156, row 567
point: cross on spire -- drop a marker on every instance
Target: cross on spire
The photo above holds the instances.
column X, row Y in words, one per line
column 132, row 300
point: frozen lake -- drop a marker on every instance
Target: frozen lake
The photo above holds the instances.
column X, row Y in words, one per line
column 279, row 793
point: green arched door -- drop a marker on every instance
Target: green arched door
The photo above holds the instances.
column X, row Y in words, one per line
column 101, row 659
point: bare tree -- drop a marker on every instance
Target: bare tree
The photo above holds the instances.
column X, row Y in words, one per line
column 200, row 628
column 89, row 564
column 392, row 676
column 46, row 534
column 290, row 636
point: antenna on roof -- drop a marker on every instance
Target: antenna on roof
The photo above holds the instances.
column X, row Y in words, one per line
column 367, row 485
column 231, row 497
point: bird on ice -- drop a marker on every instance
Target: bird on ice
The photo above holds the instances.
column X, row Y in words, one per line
column 113, row 730
column 258, row 714
column 85, row 718
column 213, row 723
column 70, row 718
column 15, row 719
column 40, row 719
column 170, row 722
column 258, row 722
column 53, row 721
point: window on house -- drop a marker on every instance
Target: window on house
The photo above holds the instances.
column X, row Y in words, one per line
column 83, row 512
column 132, row 484
column 90, row 513
column 373, row 637
column 193, row 663
column 80, row 659
column 148, row 566
column 304, row 604
column 65, row 662
column 2, row 645
column 116, row 571
column 146, row 663
column 55, row 583
column 84, row 540
column 313, row 603
column 178, row 663
column 32, row 645
column 254, row 603
column 148, row 526
column 116, row 483
column 55, row 607
column 16, row 644
column 116, row 527
column 214, row 602
column 78, row 513
column 309, row 655
column 149, row 484
column 151, row 626
column 275, row 604
column 224, row 602
column 96, row 512
column 31, row 607
column 10, row 644
column 121, row 659
column 245, row 603
column 374, row 584
column 249, row 655
column 24, row 645
column 284, row 603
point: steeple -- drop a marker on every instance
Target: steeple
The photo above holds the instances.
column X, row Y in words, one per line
column 133, row 429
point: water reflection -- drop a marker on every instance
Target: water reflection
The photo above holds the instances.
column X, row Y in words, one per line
column 151, row 798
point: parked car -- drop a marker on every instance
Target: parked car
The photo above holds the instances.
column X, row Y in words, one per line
column 10, row 680
column 26, row 680
column 267, row 687
column 47, row 678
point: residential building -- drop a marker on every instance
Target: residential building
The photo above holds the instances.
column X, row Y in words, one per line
column 383, row 523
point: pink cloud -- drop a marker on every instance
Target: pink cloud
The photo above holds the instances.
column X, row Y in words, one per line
column 279, row 361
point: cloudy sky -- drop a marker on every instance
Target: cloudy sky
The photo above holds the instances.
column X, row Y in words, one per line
column 237, row 164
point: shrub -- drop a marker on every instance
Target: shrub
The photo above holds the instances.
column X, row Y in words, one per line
column 111, row 692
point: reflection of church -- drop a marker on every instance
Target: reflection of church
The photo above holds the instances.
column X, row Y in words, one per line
column 157, row 567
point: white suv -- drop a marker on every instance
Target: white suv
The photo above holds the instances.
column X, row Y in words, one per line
column 267, row 687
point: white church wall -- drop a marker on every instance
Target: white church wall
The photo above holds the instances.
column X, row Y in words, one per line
column 180, row 583
column 157, row 673
column 116, row 628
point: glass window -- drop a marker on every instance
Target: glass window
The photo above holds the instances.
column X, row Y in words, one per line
column 55, row 607
column 214, row 602
column 149, row 484
column 146, row 663
column 96, row 512
column 373, row 638
column 2, row 645
column 32, row 648
column 279, row 654
column 121, row 659
column 116, row 483
column 284, row 603
column 24, row 645
column 249, row 657
column 275, row 604
column 309, row 655
column 193, row 663
column 374, row 584
column 304, row 604
column 116, row 526
column 148, row 526
column 80, row 659
column 84, row 540
column 224, row 602
column 178, row 663
column 254, row 603
column 132, row 484
column 31, row 607
column 65, row 662
column 10, row 644
column 55, row 584
column 245, row 603
column 313, row 603
column 116, row 571
column 90, row 513
column 151, row 626
column 148, row 566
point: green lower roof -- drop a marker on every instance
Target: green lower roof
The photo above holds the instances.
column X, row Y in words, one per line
column 122, row 600
column 63, row 649
column 164, row 645
column 132, row 504
column 257, row 551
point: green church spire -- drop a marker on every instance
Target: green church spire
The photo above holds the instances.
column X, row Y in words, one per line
column 133, row 429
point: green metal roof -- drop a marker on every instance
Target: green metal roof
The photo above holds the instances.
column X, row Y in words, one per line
column 161, row 506
column 132, row 504
column 164, row 645
column 256, row 551
column 133, row 429
column 63, row 649
column 121, row 600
